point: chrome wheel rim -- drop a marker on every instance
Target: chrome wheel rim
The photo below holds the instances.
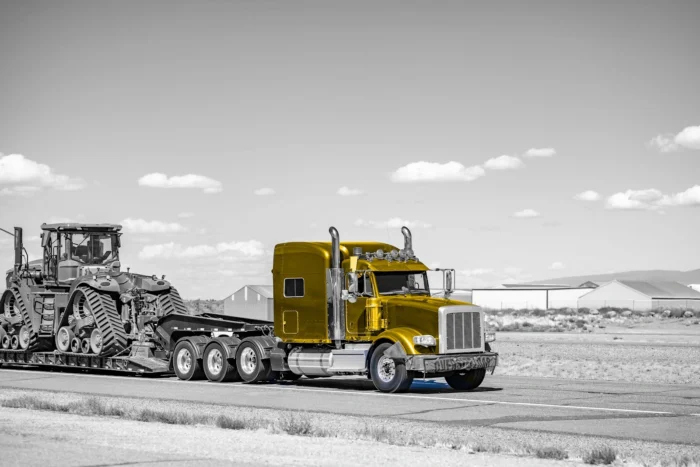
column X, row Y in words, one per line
column 249, row 361
column 24, row 337
column 386, row 369
column 184, row 361
column 215, row 361
column 96, row 341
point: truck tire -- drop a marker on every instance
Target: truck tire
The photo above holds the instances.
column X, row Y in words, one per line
column 217, row 367
column 466, row 380
column 185, row 362
column 250, row 364
column 388, row 374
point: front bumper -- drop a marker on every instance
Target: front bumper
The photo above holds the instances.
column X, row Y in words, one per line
column 452, row 362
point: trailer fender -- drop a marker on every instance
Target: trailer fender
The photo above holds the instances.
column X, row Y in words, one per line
column 264, row 343
column 199, row 343
column 228, row 343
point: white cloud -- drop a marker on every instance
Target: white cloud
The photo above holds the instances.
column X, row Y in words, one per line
column 144, row 226
column 635, row 200
column 159, row 180
column 436, row 172
column 185, row 215
column 250, row 249
column 526, row 213
column 503, row 163
column 688, row 137
column 393, row 223
column 25, row 176
column 664, row 143
column 264, row 191
column 689, row 197
column 540, row 152
column 345, row 191
column 587, row 196
column 557, row 265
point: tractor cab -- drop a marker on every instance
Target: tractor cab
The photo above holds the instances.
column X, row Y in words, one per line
column 74, row 250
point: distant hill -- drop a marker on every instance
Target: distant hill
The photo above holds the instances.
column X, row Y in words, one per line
column 684, row 277
column 205, row 306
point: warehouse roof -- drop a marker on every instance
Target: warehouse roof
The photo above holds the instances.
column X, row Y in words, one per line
column 264, row 290
column 662, row 289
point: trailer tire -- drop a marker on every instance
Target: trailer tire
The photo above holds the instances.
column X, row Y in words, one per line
column 185, row 363
column 388, row 374
column 250, row 364
column 466, row 380
column 217, row 367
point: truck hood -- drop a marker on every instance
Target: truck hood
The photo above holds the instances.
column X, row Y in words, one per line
column 420, row 302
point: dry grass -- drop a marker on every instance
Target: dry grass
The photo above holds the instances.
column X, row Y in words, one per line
column 230, row 423
column 297, row 425
column 601, row 456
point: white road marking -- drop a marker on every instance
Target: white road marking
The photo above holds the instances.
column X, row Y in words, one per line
column 376, row 394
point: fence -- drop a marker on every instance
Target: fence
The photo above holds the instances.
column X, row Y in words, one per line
column 601, row 305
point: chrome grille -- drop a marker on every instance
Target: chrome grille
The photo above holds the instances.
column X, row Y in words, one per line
column 461, row 329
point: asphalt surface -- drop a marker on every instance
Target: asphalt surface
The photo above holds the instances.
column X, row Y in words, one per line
column 648, row 412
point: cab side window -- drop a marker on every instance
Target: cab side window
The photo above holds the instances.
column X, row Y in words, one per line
column 294, row 287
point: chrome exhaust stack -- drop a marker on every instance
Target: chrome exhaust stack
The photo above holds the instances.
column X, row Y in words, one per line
column 334, row 286
column 407, row 241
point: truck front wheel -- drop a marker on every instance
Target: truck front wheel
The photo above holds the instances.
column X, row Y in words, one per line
column 466, row 380
column 388, row 374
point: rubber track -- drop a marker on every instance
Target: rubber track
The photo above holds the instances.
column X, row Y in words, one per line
column 108, row 321
column 34, row 343
column 171, row 302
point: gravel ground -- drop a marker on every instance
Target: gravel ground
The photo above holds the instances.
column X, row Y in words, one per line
column 641, row 363
column 443, row 444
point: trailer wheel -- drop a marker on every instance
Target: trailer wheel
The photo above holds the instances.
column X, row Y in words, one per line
column 64, row 337
column 251, row 367
column 185, row 362
column 217, row 367
column 466, row 380
column 388, row 374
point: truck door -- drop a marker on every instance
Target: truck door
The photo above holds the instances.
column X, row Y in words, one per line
column 355, row 313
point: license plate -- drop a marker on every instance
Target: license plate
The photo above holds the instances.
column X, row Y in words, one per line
column 462, row 363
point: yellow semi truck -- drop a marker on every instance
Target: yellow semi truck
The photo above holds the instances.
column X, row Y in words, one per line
column 365, row 308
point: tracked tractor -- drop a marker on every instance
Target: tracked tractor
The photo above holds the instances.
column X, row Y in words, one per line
column 76, row 300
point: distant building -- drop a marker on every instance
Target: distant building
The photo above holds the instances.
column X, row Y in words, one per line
column 251, row 301
column 642, row 296
column 694, row 287
column 590, row 284
column 538, row 296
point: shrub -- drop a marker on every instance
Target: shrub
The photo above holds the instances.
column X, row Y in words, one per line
column 551, row 453
column 230, row 423
column 602, row 456
column 294, row 425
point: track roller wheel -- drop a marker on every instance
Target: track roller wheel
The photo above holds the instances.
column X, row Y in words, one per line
column 185, row 362
column 5, row 341
column 96, row 341
column 14, row 342
column 85, row 345
column 216, row 367
column 76, row 345
column 24, row 335
column 3, row 334
column 102, row 308
column 64, row 337
column 251, row 365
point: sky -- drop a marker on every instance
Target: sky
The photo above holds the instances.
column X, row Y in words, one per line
column 518, row 140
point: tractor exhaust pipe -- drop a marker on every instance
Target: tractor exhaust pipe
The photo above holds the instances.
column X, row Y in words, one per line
column 19, row 246
column 407, row 239
column 336, row 305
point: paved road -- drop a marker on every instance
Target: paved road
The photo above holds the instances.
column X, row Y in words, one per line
column 663, row 413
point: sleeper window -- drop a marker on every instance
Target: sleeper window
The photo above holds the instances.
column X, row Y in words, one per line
column 294, row 287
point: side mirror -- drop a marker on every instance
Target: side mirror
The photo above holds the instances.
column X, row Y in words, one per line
column 449, row 281
column 348, row 296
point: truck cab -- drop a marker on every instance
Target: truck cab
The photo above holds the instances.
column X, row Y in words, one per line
column 366, row 308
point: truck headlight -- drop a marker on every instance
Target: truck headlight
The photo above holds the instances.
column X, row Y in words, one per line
column 425, row 341
column 490, row 337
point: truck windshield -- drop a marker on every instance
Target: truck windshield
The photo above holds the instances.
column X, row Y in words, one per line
column 93, row 248
column 402, row 283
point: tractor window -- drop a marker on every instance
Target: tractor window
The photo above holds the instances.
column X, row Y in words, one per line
column 93, row 248
column 51, row 252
